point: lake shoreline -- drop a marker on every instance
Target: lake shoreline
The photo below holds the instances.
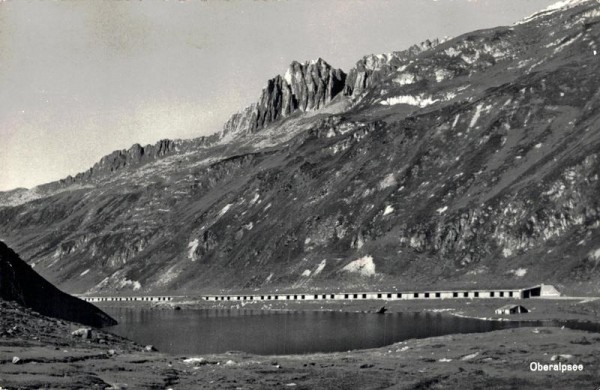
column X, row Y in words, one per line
column 479, row 360
column 584, row 310
column 284, row 331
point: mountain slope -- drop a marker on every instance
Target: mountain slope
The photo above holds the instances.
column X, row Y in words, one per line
column 19, row 283
column 469, row 161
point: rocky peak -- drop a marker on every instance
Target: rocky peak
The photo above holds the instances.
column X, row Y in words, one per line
column 313, row 84
column 304, row 87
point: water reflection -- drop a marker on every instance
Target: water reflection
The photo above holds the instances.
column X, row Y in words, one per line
column 267, row 332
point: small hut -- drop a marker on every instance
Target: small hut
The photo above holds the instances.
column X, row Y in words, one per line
column 511, row 309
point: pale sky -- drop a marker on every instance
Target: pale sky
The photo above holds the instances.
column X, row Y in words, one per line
column 79, row 79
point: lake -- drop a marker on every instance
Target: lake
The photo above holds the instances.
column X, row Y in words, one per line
column 263, row 332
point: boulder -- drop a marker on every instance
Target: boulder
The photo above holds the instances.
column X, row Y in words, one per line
column 84, row 333
column 195, row 361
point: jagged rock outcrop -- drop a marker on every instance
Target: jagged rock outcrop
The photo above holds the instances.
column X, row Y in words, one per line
column 313, row 84
column 304, row 87
column 20, row 283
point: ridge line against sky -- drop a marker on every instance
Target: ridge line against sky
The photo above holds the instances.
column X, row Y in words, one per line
column 79, row 80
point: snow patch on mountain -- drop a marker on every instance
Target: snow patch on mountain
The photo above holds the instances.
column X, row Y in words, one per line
column 420, row 100
column 363, row 266
column 442, row 74
column 405, row 79
column 134, row 284
column 456, row 118
column 388, row 181
column 320, row 267
column 224, row 210
column 388, row 210
column 169, row 275
column 560, row 43
column 595, row 255
column 563, row 4
column 192, row 245
column 507, row 252
column 519, row 272
column 560, row 5
column 592, row 14
column 476, row 116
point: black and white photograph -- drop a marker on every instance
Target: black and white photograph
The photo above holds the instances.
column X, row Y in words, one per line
column 299, row 194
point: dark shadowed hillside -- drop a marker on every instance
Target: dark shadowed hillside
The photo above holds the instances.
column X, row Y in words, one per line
column 464, row 162
column 19, row 283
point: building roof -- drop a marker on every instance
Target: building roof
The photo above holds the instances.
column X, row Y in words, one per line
column 508, row 307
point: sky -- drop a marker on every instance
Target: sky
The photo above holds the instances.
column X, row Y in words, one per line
column 79, row 79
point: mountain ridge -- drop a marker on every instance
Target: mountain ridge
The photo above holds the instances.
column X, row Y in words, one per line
column 367, row 71
column 465, row 164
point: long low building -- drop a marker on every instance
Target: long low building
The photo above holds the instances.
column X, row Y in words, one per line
column 542, row 290
column 521, row 293
column 128, row 299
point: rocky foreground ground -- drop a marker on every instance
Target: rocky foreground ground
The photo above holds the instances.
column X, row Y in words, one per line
column 41, row 352
column 468, row 162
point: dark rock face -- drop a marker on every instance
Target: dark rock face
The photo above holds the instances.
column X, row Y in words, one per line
column 313, row 84
column 471, row 161
column 305, row 87
column 20, row 283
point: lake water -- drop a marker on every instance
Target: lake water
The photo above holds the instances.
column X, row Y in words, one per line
column 268, row 332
